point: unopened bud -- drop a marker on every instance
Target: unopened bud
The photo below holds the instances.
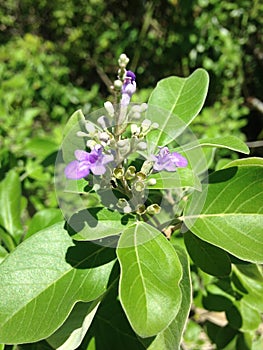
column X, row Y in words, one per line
column 151, row 182
column 153, row 209
column 90, row 129
column 117, row 85
column 103, row 122
column 123, row 60
column 109, row 108
column 91, row 144
column 142, row 146
column 135, row 130
column 155, row 126
column 103, row 136
column 146, row 125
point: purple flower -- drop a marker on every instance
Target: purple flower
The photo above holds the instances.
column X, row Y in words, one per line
column 168, row 161
column 128, row 88
column 94, row 161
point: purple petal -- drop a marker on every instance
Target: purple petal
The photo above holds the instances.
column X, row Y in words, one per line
column 107, row 158
column 98, row 169
column 179, row 160
column 77, row 170
column 125, row 99
column 81, row 155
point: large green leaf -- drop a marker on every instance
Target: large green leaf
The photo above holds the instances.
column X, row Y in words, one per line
column 229, row 142
column 209, row 258
column 174, row 103
column 72, row 332
column 96, row 223
column 10, row 204
column 232, row 215
column 150, row 274
column 171, row 337
column 42, row 280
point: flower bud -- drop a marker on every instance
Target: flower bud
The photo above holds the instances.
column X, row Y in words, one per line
column 146, row 124
column 155, row 126
column 151, row 182
column 91, row 144
column 117, row 85
column 142, row 146
column 103, row 122
column 135, row 129
column 123, row 60
column 153, row 209
column 104, row 137
column 90, row 129
column 109, row 108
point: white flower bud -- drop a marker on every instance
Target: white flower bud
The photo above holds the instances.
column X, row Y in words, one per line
column 135, row 129
column 91, row 144
column 146, row 125
column 142, row 146
column 155, row 125
column 90, row 129
column 117, row 85
column 109, row 108
column 103, row 136
column 103, row 122
column 123, row 60
column 151, row 182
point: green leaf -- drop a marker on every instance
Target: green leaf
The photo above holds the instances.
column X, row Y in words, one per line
column 171, row 337
column 250, row 284
column 72, row 332
column 232, row 215
column 43, row 219
column 42, row 280
column 183, row 177
column 150, row 274
column 10, row 204
column 77, row 118
column 209, row 258
column 242, row 316
column 174, row 103
column 252, row 161
column 229, row 142
column 95, row 223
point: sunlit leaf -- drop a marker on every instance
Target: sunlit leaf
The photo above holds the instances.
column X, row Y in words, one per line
column 42, row 280
column 232, row 215
column 174, row 103
column 149, row 284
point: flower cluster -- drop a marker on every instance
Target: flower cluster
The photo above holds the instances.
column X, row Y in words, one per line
column 121, row 132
